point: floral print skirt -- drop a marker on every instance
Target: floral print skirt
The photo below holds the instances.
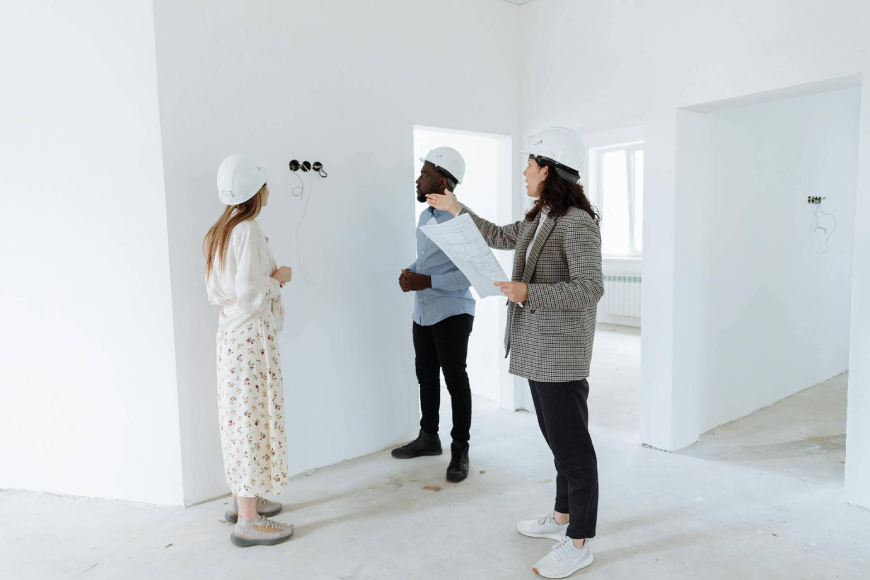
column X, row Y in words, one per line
column 251, row 408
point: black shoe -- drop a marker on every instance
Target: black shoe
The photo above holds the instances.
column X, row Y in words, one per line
column 458, row 468
column 424, row 444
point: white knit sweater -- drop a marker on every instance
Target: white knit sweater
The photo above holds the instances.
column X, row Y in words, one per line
column 244, row 286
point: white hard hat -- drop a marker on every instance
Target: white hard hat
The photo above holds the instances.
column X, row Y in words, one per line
column 449, row 160
column 239, row 179
column 561, row 145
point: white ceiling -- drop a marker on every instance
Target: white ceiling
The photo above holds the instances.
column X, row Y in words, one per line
column 518, row 1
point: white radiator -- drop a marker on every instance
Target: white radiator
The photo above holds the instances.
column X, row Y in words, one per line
column 621, row 296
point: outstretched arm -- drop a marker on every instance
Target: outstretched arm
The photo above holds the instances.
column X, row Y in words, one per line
column 498, row 237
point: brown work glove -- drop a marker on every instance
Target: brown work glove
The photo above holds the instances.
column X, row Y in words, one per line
column 411, row 282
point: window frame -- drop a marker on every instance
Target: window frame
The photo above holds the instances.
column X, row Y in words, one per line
column 596, row 183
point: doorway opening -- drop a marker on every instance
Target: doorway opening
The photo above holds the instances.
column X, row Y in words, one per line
column 486, row 189
column 766, row 196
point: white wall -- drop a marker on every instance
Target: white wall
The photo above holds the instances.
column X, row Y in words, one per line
column 89, row 391
column 343, row 83
column 481, row 192
column 604, row 65
column 764, row 313
column 858, row 425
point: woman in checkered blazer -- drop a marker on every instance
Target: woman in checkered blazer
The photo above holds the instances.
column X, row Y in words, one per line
column 552, row 300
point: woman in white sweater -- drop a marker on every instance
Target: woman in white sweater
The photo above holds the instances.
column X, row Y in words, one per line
column 243, row 278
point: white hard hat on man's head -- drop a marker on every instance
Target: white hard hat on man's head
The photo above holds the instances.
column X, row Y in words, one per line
column 449, row 160
column 560, row 145
column 239, row 179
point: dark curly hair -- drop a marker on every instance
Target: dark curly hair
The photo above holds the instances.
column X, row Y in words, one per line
column 560, row 192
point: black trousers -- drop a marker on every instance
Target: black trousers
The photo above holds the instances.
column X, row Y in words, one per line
column 564, row 420
column 444, row 347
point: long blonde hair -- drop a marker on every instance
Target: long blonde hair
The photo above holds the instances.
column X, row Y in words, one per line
column 217, row 239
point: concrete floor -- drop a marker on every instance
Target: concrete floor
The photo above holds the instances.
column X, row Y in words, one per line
column 758, row 498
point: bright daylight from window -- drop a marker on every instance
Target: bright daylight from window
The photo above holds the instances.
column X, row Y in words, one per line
column 617, row 186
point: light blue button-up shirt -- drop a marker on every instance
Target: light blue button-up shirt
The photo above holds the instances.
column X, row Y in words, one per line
column 450, row 293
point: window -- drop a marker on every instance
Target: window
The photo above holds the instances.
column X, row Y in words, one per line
column 616, row 187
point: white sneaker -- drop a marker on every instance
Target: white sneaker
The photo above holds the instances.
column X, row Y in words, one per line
column 545, row 527
column 564, row 559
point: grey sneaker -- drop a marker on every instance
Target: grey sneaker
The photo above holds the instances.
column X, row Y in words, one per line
column 545, row 527
column 564, row 559
column 260, row 532
column 264, row 508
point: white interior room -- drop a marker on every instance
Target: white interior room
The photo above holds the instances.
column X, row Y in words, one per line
column 730, row 382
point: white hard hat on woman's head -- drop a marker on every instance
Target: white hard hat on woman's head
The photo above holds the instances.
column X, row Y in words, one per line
column 449, row 160
column 560, row 145
column 239, row 179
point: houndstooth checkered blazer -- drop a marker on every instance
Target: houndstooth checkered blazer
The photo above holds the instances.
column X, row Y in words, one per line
column 550, row 338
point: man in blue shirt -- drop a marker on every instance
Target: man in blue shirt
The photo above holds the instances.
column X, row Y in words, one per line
column 443, row 318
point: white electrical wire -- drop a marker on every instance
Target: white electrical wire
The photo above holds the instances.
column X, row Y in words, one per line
column 827, row 247
column 300, row 187
column 819, row 227
column 300, row 229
